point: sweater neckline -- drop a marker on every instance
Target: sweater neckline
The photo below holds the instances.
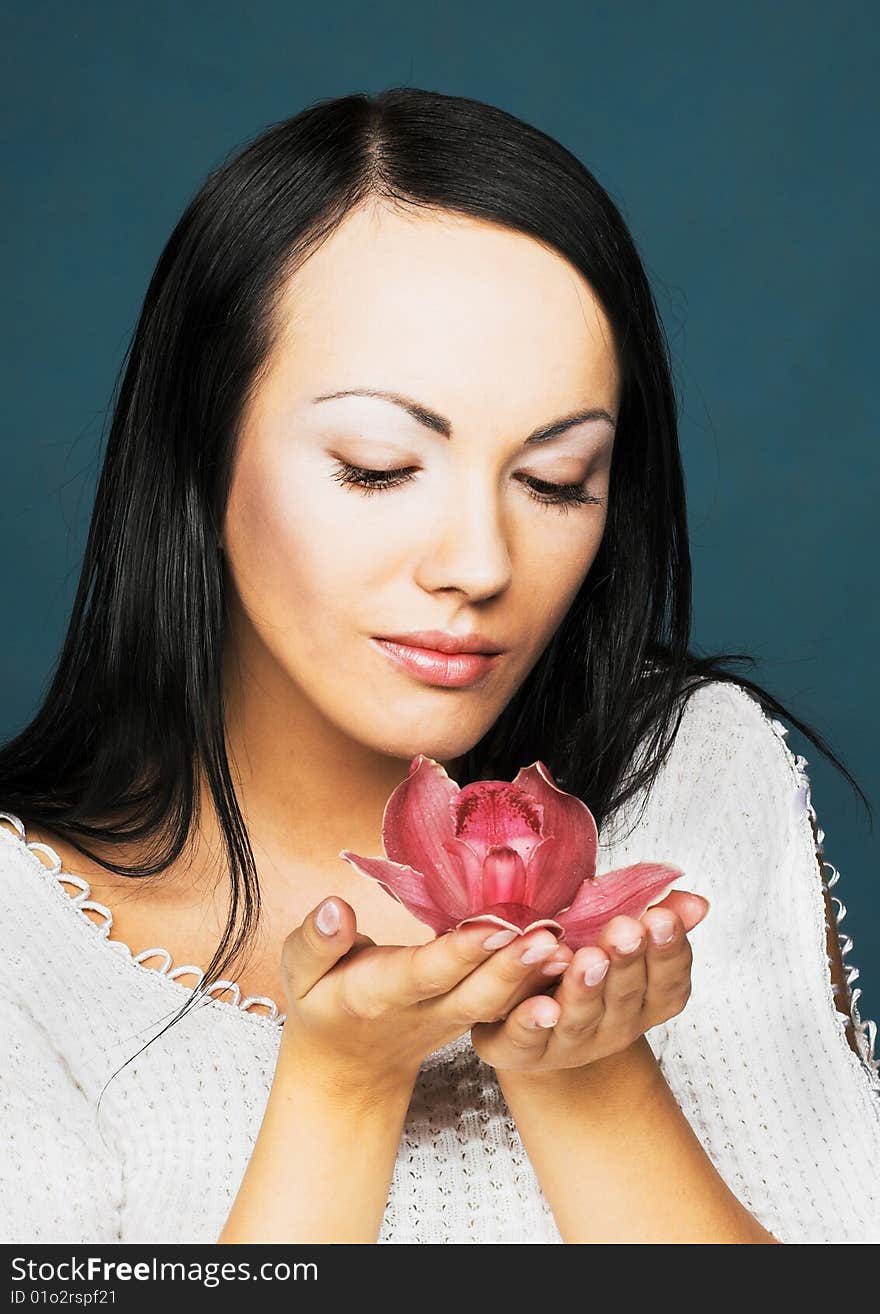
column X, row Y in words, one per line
column 82, row 900
column 58, row 878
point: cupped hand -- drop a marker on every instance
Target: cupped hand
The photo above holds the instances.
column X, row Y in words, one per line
column 638, row 984
column 368, row 1015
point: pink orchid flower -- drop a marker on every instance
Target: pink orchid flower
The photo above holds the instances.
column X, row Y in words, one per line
column 519, row 854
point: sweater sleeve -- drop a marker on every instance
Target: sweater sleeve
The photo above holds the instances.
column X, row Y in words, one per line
column 59, row 1181
column 758, row 1059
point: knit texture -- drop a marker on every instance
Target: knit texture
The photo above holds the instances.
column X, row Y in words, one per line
column 758, row 1059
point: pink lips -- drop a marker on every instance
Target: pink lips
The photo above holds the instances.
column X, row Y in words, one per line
column 450, row 670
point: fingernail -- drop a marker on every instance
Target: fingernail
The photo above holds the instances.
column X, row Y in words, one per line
column 557, row 966
column 327, row 920
column 628, row 946
column 499, row 939
column 662, row 931
column 537, row 952
column 545, row 1017
column 595, row 972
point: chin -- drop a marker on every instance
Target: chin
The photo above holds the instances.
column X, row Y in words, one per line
column 441, row 748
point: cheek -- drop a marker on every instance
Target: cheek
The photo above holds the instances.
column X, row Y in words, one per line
column 547, row 579
column 552, row 570
column 291, row 545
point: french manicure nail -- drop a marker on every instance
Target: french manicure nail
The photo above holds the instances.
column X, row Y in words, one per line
column 537, row 952
column 328, row 918
column 557, row 966
column 595, row 972
column 661, row 932
column 544, row 1017
column 499, row 939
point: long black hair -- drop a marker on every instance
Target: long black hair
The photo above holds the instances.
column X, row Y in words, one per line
column 135, row 710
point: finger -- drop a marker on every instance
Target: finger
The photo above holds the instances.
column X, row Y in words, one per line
column 556, row 964
column 581, row 994
column 623, row 940
column 523, row 1036
column 493, row 991
column 436, row 968
column 668, row 961
column 539, row 978
column 321, row 939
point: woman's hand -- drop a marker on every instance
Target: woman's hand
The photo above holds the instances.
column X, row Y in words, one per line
column 584, row 1022
column 365, row 1016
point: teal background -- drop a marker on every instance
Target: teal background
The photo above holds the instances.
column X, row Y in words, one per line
column 737, row 141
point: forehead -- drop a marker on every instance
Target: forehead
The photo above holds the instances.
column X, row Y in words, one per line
column 449, row 308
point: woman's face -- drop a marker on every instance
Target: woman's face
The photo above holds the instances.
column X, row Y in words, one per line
column 467, row 321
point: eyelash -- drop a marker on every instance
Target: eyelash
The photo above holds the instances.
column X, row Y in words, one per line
column 562, row 497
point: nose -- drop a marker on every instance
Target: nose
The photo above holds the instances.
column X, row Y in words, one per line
column 467, row 546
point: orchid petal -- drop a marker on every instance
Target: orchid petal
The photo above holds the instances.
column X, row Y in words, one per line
column 408, row 887
column 515, row 916
column 553, row 876
column 626, row 891
column 418, row 815
column 566, row 819
column 417, row 822
column 468, row 869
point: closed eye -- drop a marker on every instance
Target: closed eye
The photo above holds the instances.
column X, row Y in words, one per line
column 560, row 496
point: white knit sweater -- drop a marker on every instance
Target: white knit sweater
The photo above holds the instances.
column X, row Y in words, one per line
column 758, row 1060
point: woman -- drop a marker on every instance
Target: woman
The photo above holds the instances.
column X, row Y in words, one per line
column 399, row 370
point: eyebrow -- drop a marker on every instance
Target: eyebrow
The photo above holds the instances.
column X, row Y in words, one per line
column 439, row 423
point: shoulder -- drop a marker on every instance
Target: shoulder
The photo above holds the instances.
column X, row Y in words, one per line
column 727, row 744
column 17, row 859
column 30, row 935
column 731, row 719
column 729, row 796
column 723, row 808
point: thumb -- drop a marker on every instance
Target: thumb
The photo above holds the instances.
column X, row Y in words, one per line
column 325, row 936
